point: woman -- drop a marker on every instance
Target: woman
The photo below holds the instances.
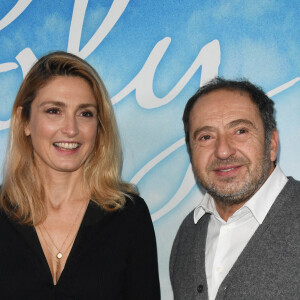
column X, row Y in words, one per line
column 69, row 227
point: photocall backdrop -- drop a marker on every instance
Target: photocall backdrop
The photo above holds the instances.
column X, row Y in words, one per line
column 152, row 56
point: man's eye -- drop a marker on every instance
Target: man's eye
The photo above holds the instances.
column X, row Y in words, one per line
column 87, row 114
column 242, row 131
column 205, row 137
column 53, row 111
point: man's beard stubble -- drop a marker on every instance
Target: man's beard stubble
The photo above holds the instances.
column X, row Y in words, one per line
column 250, row 187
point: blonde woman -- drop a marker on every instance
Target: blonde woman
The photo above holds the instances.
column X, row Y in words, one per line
column 70, row 228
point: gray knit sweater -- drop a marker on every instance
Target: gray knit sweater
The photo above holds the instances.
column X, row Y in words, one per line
column 268, row 267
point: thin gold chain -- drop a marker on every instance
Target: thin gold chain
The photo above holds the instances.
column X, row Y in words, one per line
column 59, row 251
column 59, row 254
column 45, row 242
column 56, row 275
column 50, row 251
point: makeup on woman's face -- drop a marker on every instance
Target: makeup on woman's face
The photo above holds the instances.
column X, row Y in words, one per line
column 63, row 124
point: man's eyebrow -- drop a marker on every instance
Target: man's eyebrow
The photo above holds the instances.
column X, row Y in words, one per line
column 240, row 122
column 229, row 125
column 204, row 128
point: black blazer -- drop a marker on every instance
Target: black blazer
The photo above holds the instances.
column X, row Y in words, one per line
column 113, row 257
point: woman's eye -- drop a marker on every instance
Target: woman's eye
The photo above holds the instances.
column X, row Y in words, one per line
column 87, row 114
column 53, row 111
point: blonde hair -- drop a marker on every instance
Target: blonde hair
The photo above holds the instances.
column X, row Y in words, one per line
column 22, row 190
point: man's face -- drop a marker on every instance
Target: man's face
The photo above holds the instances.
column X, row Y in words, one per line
column 228, row 151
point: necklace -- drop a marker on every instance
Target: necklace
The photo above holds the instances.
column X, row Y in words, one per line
column 59, row 254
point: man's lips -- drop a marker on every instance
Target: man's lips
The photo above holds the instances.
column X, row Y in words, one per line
column 227, row 170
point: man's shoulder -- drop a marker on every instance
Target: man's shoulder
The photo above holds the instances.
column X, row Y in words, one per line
column 291, row 189
column 293, row 183
column 287, row 203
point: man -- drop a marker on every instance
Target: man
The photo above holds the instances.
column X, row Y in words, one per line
column 243, row 240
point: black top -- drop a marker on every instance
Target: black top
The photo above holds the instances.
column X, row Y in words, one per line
column 113, row 257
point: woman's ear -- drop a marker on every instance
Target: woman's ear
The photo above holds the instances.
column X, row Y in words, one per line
column 19, row 116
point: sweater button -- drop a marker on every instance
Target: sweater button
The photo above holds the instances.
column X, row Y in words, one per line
column 200, row 288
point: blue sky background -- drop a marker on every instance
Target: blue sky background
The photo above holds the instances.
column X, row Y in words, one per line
column 259, row 40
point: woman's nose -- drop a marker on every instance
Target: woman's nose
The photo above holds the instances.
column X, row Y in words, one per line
column 70, row 126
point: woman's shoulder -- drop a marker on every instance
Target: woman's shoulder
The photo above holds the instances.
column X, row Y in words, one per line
column 135, row 203
column 134, row 210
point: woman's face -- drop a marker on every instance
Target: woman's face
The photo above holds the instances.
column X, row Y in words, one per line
column 63, row 124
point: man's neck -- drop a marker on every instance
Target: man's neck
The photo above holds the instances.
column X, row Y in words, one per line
column 226, row 211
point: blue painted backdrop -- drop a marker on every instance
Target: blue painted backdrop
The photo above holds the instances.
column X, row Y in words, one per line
column 152, row 56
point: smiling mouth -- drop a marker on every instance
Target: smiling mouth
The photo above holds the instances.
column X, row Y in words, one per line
column 226, row 170
column 66, row 146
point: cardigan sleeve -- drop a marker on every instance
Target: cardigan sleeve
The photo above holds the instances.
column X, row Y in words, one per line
column 142, row 280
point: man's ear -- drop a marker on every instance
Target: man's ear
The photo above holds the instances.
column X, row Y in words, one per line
column 274, row 143
column 19, row 116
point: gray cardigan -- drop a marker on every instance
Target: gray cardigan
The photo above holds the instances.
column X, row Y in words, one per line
column 268, row 267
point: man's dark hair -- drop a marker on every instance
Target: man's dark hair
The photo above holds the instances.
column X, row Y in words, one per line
column 264, row 104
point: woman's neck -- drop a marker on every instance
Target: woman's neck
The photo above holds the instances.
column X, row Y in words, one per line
column 63, row 188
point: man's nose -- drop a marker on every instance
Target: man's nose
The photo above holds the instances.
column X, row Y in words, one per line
column 224, row 147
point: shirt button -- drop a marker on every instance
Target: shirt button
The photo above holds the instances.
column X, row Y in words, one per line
column 200, row 288
column 219, row 269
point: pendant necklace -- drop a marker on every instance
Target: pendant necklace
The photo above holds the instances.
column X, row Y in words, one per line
column 59, row 254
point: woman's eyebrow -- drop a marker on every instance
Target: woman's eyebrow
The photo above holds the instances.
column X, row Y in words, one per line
column 56, row 103
column 87, row 105
column 62, row 104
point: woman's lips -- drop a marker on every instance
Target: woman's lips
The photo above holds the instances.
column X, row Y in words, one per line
column 67, row 146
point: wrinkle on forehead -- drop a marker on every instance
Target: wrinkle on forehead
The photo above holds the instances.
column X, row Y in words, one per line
column 222, row 107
